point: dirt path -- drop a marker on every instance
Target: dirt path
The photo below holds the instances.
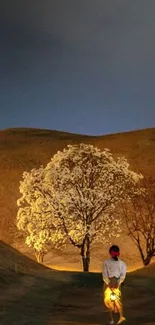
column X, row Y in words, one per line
column 14, row 293
column 82, row 302
column 72, row 299
column 30, row 301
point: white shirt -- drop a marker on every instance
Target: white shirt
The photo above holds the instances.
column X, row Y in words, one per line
column 112, row 268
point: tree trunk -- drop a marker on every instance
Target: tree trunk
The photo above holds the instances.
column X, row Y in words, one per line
column 85, row 254
column 39, row 257
column 148, row 258
column 147, row 261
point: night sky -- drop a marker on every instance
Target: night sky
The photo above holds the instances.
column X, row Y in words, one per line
column 84, row 66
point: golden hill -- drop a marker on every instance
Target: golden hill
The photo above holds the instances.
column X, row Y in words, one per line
column 23, row 149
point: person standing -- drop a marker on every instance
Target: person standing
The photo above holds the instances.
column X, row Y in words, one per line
column 114, row 273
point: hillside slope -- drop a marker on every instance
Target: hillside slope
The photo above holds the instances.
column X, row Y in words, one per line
column 147, row 271
column 24, row 149
column 13, row 265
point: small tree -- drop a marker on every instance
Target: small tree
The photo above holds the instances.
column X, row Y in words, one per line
column 140, row 220
column 34, row 218
column 87, row 184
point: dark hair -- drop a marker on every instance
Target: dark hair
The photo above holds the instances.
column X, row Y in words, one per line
column 115, row 249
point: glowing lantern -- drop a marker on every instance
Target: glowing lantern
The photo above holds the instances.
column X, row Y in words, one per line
column 112, row 296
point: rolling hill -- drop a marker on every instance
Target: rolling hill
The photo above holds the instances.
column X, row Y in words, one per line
column 23, row 149
column 13, row 265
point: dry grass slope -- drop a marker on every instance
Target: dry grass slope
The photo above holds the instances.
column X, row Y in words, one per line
column 24, row 149
column 147, row 271
column 13, row 265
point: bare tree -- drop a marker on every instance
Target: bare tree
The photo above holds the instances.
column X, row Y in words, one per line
column 139, row 216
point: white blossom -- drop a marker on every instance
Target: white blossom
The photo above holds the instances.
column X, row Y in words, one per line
column 87, row 184
column 35, row 217
column 74, row 197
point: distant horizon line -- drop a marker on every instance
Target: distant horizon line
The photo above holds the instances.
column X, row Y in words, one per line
column 71, row 133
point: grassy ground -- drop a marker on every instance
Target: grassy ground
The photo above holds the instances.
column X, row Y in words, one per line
column 71, row 298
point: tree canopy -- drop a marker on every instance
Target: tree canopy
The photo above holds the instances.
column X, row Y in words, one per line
column 74, row 198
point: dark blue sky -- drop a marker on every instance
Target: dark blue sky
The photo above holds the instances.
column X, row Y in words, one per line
column 84, row 66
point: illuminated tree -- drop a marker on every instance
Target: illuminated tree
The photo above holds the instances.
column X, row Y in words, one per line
column 87, row 184
column 74, row 198
column 35, row 218
column 139, row 215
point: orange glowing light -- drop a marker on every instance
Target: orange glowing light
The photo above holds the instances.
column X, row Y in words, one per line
column 112, row 299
